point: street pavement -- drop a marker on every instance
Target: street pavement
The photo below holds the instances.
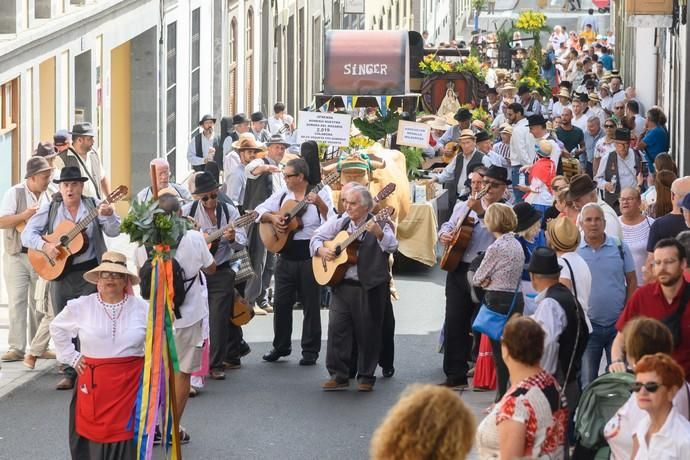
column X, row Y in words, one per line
column 264, row 410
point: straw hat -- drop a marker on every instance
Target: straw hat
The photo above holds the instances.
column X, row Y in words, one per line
column 544, row 148
column 439, row 124
column 506, row 129
column 450, row 119
column 564, row 93
column 114, row 262
column 563, row 234
column 479, row 125
column 508, row 87
column 467, row 134
column 247, row 141
column 594, row 97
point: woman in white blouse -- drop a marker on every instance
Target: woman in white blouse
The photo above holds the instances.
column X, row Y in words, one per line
column 111, row 328
column 635, row 227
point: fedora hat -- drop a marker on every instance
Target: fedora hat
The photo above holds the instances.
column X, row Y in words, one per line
column 506, row 129
column 508, row 87
column 580, row 185
column 482, row 136
column 467, row 134
column 257, row 117
column 277, row 139
column 536, row 120
column 45, row 150
column 450, row 119
column 239, row 118
column 247, row 142
column 206, row 118
column 622, row 134
column 439, row 124
column 70, row 174
column 563, row 234
column 113, row 262
column 62, row 137
column 169, row 191
column 36, row 165
column 544, row 148
column 499, row 173
column 527, row 215
column 594, row 97
column 463, row 115
column 479, row 125
column 564, row 93
column 544, row 261
column 204, row 183
column 82, row 129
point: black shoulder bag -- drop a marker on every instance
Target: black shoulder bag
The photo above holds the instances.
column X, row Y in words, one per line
column 673, row 321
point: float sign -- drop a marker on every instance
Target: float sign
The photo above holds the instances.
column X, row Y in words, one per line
column 366, row 62
column 330, row 128
column 413, row 134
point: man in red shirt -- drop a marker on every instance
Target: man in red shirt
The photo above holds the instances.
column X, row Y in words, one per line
column 658, row 300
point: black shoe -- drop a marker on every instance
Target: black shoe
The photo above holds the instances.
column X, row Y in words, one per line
column 307, row 361
column 274, row 355
column 244, row 349
column 388, row 372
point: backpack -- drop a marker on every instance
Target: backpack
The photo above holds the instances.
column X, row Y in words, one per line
column 599, row 402
column 179, row 281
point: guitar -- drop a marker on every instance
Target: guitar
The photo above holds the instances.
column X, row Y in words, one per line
column 274, row 239
column 332, row 272
column 70, row 240
column 452, row 254
column 243, row 221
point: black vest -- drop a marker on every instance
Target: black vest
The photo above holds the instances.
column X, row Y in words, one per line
column 217, row 156
column 612, row 170
column 372, row 262
column 568, row 340
column 257, row 190
column 452, row 186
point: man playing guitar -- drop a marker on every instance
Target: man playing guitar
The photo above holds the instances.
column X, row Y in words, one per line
column 293, row 272
column 73, row 207
column 459, row 305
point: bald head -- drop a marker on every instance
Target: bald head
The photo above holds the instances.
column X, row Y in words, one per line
column 162, row 172
column 680, row 187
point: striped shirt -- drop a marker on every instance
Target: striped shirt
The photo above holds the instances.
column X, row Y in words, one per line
column 502, row 149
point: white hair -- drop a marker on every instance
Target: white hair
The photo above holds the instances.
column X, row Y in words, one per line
column 589, row 206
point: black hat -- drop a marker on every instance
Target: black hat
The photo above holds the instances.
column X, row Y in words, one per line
column 544, row 261
column 583, row 97
column 482, row 136
column 491, row 91
column 46, row 150
column 204, row 183
column 257, row 116
column 463, row 115
column 499, row 173
column 82, row 129
column 523, row 89
column 527, row 215
column 580, row 185
column 536, row 120
column 239, row 118
column 70, row 174
column 622, row 134
column 206, row 118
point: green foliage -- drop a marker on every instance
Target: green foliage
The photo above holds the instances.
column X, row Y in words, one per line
column 504, row 35
column 531, row 77
column 148, row 224
column 377, row 126
column 413, row 160
column 323, row 147
column 478, row 5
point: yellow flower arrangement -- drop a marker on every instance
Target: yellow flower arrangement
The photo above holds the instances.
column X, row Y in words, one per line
column 430, row 64
column 531, row 21
column 360, row 142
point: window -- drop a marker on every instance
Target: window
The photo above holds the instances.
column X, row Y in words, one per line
column 9, row 135
column 316, row 57
column 232, row 59
column 196, row 82
column 249, row 68
column 171, row 98
column 302, row 44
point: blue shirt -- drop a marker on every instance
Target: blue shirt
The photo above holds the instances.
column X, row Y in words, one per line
column 607, row 61
column 608, row 267
column 657, row 142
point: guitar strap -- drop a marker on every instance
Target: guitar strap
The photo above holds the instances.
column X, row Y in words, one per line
column 96, row 186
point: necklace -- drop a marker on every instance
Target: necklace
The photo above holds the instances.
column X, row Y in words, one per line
column 113, row 310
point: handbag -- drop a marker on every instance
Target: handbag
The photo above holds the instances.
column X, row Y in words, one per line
column 491, row 323
column 242, row 312
column 242, row 266
column 673, row 320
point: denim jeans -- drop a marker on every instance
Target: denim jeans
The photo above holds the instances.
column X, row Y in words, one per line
column 600, row 339
column 515, row 178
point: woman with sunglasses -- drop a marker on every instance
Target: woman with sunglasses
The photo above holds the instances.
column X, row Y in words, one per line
column 111, row 327
column 664, row 432
column 643, row 337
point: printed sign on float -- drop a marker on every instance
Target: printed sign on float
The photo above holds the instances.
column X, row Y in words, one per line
column 413, row 134
column 331, row 128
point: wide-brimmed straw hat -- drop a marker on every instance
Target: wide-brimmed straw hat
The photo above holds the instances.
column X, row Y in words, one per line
column 114, row 262
column 563, row 234
column 247, row 141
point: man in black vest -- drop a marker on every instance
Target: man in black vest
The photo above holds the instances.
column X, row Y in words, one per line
column 258, row 128
column 205, row 146
column 358, row 302
column 240, row 125
column 455, row 174
column 563, row 320
column 82, row 155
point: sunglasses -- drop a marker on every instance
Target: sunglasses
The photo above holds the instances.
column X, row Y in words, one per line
column 618, row 107
column 491, row 184
column 609, row 126
column 287, row 176
column 111, row 275
column 212, row 196
column 651, row 387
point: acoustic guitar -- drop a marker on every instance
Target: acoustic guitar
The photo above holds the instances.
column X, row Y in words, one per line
column 452, row 254
column 213, row 238
column 274, row 239
column 332, row 272
column 70, row 239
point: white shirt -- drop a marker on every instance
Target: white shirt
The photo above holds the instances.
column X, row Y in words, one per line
column 90, row 320
column 672, row 441
column 95, row 170
column 311, row 219
column 558, row 109
column 552, row 318
column 274, row 124
column 9, row 199
column 627, row 176
column 635, row 236
column 618, row 97
column 521, row 145
column 603, row 148
column 206, row 143
column 583, row 280
column 192, row 254
column 277, row 178
column 581, row 121
column 640, row 125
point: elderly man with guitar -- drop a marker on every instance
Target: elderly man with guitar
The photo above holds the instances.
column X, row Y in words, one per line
column 212, row 216
column 464, row 236
column 361, row 291
column 65, row 240
column 288, row 219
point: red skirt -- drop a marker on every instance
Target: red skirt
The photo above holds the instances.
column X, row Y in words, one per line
column 106, row 394
column 485, row 370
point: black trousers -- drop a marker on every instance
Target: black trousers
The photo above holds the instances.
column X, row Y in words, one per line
column 293, row 277
column 225, row 337
column 459, row 313
column 387, row 353
column 355, row 313
column 70, row 286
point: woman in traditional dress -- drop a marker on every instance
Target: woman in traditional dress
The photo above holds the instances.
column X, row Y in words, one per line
column 111, row 327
